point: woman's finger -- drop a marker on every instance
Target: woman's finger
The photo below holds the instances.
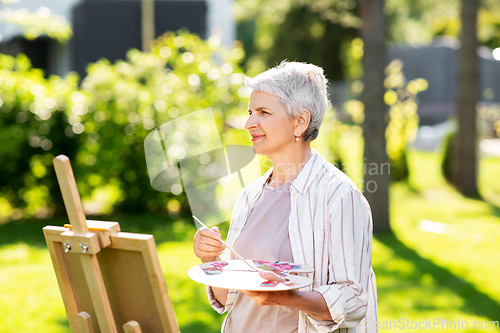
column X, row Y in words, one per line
column 210, row 233
column 208, row 248
column 207, row 236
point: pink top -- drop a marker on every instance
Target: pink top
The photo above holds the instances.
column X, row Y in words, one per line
column 265, row 237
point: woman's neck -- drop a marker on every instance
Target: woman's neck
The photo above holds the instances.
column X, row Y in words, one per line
column 287, row 167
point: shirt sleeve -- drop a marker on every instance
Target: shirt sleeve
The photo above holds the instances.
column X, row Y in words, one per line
column 239, row 206
column 349, row 242
column 216, row 305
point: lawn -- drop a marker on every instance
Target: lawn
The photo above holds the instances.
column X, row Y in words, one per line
column 442, row 265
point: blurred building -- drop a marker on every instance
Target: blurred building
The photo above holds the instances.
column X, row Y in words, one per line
column 109, row 28
column 438, row 64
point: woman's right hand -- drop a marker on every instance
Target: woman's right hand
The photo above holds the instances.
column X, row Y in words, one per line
column 207, row 244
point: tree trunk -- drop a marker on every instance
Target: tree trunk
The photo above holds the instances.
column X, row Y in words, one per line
column 147, row 24
column 464, row 162
column 376, row 174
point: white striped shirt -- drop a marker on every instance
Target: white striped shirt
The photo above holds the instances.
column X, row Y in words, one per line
column 330, row 228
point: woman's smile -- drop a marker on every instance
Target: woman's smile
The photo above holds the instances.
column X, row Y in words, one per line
column 257, row 137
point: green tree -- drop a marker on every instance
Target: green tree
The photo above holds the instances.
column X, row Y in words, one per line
column 43, row 21
column 401, row 97
column 307, row 30
column 464, row 159
column 120, row 104
column 419, row 22
column 373, row 34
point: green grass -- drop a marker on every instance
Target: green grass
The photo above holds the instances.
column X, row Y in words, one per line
column 452, row 275
column 29, row 296
column 421, row 275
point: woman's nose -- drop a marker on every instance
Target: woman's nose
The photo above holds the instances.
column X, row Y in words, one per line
column 251, row 123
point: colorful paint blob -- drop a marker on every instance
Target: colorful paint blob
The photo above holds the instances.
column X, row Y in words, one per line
column 268, row 283
column 277, row 267
column 213, row 268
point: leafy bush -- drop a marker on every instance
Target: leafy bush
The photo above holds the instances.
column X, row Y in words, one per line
column 448, row 151
column 401, row 97
column 120, row 104
column 102, row 125
column 32, row 122
column 403, row 124
column 43, row 21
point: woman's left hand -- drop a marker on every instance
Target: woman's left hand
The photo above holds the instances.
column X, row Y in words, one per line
column 310, row 302
column 270, row 297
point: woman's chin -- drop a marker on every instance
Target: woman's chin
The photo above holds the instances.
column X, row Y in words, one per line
column 258, row 150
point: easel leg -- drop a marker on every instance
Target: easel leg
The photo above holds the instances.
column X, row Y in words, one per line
column 132, row 327
column 84, row 323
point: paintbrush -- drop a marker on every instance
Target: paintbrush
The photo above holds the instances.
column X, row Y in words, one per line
column 229, row 247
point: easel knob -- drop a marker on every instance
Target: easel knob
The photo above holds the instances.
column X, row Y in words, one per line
column 84, row 247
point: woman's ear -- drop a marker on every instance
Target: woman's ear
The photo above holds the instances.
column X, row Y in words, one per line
column 303, row 121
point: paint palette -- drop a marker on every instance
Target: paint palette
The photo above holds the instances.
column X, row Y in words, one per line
column 235, row 274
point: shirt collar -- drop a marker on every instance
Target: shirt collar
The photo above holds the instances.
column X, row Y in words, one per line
column 309, row 172
column 303, row 180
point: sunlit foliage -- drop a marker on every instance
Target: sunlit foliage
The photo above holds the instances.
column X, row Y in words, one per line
column 43, row 21
column 335, row 11
column 102, row 124
column 403, row 124
column 419, row 22
column 120, row 104
column 401, row 98
column 306, row 30
column 32, row 122
column 320, row 31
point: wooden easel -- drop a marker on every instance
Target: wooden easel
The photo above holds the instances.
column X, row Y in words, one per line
column 110, row 281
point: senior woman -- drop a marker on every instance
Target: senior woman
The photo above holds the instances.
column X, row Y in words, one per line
column 303, row 210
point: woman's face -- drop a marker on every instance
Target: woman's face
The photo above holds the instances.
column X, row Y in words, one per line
column 269, row 125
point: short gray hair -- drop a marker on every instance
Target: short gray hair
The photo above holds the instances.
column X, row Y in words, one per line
column 298, row 86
